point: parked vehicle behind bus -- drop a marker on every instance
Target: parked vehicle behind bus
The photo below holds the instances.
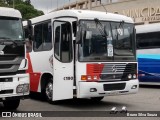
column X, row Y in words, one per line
column 82, row 54
column 14, row 81
column 148, row 53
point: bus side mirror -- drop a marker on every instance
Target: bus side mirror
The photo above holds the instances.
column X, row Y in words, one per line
column 30, row 30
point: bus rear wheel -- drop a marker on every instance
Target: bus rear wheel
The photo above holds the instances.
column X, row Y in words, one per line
column 11, row 104
column 96, row 99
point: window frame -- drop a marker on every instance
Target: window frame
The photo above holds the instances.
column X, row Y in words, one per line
column 41, row 23
column 71, row 42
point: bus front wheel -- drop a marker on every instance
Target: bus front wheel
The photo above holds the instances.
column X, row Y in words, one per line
column 49, row 90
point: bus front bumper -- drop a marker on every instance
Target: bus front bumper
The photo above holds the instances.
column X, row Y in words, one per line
column 98, row 89
column 16, row 86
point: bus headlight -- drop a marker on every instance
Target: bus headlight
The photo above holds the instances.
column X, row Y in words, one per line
column 22, row 88
column 134, row 76
column 129, row 76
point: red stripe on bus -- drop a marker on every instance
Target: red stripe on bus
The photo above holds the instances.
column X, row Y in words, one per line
column 34, row 77
column 94, row 69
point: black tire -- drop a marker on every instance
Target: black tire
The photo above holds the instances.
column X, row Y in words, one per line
column 96, row 99
column 11, row 104
column 49, row 91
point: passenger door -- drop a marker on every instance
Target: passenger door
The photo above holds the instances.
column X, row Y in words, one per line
column 62, row 60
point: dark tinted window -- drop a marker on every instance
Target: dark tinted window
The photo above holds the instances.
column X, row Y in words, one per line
column 43, row 37
column 148, row 40
column 63, row 41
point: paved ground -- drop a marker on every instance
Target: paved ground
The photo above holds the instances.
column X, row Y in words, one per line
column 147, row 99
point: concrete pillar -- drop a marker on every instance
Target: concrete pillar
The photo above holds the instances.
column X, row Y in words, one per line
column 86, row 5
column 89, row 4
column 77, row 6
column 96, row 2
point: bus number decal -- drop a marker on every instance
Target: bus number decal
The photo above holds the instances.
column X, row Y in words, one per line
column 68, row 78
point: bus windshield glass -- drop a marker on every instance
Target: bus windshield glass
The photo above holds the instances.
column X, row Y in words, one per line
column 11, row 29
column 106, row 41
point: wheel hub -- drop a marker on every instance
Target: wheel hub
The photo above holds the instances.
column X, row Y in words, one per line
column 49, row 91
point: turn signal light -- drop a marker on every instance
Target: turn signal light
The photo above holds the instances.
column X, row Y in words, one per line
column 89, row 77
column 83, row 77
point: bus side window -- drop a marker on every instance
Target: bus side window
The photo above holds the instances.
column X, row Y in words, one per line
column 38, row 37
column 63, row 41
column 43, row 37
column 47, row 36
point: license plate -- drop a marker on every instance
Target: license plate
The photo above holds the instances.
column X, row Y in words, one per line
column 114, row 93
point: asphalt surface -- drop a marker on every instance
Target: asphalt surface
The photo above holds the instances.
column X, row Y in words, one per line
column 147, row 99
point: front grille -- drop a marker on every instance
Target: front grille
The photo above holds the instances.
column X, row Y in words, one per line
column 6, row 91
column 6, row 79
column 9, row 66
column 12, row 73
column 118, row 71
column 116, row 86
column 119, row 68
column 112, row 71
column 5, row 66
column 9, row 57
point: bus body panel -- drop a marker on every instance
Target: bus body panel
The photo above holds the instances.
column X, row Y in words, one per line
column 148, row 55
column 149, row 65
column 39, row 63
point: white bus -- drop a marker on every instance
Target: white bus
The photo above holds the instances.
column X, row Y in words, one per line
column 82, row 54
column 148, row 53
column 14, row 81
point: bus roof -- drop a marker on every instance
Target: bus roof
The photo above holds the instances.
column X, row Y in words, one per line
column 83, row 14
column 148, row 28
column 10, row 12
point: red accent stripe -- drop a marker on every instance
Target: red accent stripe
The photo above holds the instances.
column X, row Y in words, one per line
column 34, row 77
column 94, row 69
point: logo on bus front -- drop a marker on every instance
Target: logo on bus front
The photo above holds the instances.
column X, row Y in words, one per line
column 114, row 69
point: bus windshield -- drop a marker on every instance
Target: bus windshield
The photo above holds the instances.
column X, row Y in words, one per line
column 108, row 41
column 11, row 29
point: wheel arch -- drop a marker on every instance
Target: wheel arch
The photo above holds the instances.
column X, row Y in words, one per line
column 44, row 79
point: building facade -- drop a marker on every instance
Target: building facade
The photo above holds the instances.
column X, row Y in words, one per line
column 142, row 11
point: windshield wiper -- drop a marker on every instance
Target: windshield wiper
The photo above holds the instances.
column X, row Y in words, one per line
column 100, row 28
